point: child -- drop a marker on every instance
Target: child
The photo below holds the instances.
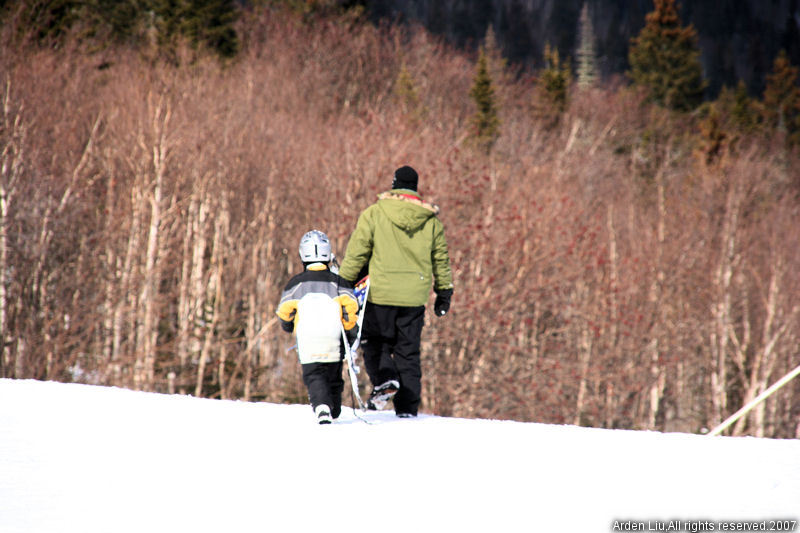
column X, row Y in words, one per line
column 315, row 305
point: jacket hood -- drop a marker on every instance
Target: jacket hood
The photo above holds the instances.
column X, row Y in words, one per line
column 405, row 209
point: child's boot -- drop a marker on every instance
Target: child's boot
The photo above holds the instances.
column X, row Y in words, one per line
column 323, row 413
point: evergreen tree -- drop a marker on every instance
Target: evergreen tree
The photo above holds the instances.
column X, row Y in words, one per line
column 405, row 89
column 48, row 20
column 112, row 21
column 713, row 136
column 497, row 64
column 210, row 23
column 485, row 122
column 732, row 117
column 744, row 114
column 165, row 22
column 553, row 86
column 587, row 50
column 98, row 21
column 407, row 95
column 782, row 99
column 665, row 59
column 203, row 23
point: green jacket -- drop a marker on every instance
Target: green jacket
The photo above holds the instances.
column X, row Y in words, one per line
column 403, row 241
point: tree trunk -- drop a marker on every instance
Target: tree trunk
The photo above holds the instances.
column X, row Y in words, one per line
column 657, row 373
column 5, row 338
column 764, row 360
column 192, row 291
column 585, row 354
column 613, row 311
column 722, row 311
column 11, row 161
column 214, row 295
column 183, row 290
column 147, row 335
column 126, row 300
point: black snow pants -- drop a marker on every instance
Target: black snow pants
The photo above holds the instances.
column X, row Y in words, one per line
column 325, row 384
column 391, row 339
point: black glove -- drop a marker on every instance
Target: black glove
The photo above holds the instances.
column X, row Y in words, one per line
column 352, row 334
column 442, row 304
column 287, row 326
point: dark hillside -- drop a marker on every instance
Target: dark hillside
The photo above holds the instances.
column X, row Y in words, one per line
column 739, row 38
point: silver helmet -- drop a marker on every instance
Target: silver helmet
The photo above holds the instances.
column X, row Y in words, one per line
column 315, row 247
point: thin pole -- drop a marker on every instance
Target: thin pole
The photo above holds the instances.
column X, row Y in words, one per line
column 755, row 401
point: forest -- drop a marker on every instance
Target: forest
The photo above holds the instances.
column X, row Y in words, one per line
column 625, row 252
column 738, row 38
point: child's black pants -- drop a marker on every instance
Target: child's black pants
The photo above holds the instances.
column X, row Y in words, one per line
column 325, row 384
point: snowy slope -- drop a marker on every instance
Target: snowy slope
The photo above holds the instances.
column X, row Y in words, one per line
column 77, row 458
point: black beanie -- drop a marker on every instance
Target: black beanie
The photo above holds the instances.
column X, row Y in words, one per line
column 405, row 178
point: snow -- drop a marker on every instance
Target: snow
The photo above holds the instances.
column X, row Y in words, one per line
column 85, row 459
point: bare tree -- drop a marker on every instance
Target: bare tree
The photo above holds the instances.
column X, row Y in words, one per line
column 12, row 130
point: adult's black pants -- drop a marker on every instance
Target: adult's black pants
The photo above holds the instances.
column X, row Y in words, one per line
column 391, row 339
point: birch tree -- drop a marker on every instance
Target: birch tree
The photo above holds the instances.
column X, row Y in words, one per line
column 156, row 144
column 12, row 137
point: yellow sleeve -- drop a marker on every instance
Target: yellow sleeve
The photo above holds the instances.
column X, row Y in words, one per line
column 287, row 310
column 349, row 310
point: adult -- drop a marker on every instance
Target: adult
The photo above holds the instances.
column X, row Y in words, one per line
column 401, row 241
